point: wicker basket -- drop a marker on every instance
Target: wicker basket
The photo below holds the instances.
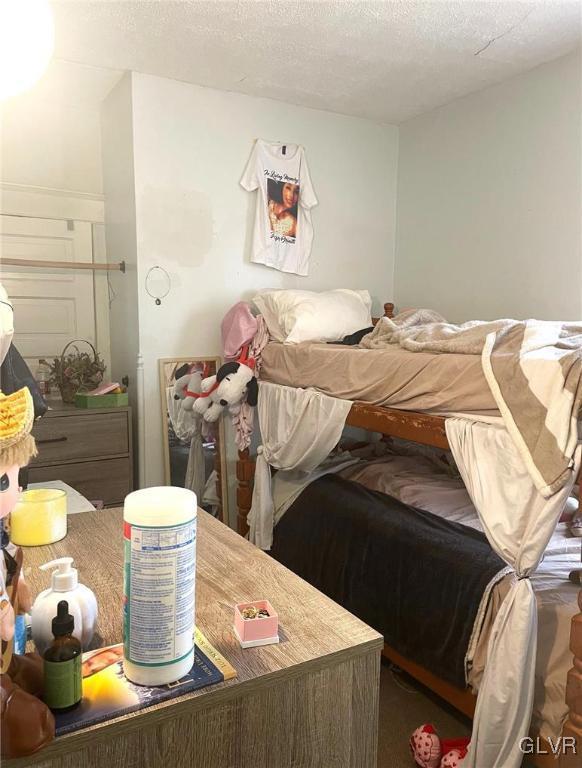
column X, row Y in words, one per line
column 69, row 389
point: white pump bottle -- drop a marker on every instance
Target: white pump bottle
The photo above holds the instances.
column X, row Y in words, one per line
column 82, row 605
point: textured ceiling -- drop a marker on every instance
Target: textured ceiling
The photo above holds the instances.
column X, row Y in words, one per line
column 384, row 60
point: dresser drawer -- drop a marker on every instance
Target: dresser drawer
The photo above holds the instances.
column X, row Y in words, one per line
column 107, row 479
column 80, row 436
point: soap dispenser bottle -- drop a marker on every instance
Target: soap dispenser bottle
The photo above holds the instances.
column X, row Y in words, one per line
column 82, row 605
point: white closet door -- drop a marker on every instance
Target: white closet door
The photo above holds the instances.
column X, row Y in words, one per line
column 51, row 306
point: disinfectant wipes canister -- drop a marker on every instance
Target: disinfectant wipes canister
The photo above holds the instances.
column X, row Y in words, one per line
column 159, row 528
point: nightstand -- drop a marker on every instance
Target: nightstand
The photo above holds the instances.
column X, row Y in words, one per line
column 90, row 449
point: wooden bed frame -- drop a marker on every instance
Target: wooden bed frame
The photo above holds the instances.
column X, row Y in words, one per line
column 430, row 430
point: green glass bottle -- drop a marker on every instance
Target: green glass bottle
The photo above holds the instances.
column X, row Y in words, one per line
column 62, row 664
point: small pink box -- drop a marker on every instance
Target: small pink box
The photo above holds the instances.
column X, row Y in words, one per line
column 259, row 631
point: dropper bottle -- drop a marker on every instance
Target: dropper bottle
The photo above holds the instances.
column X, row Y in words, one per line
column 62, row 663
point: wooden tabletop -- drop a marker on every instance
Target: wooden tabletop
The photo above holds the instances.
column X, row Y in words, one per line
column 314, row 631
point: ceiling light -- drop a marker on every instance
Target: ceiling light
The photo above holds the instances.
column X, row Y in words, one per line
column 27, row 41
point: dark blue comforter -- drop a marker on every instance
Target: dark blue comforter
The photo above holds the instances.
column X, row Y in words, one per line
column 409, row 574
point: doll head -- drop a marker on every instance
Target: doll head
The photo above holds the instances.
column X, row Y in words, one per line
column 17, row 445
column 9, row 489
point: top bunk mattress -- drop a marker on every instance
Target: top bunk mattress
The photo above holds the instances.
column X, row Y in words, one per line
column 392, row 377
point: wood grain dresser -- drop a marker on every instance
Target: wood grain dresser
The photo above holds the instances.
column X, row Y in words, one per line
column 309, row 702
column 90, row 449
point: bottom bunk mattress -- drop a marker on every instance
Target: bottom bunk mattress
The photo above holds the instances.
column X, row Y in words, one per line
column 422, row 481
column 422, row 581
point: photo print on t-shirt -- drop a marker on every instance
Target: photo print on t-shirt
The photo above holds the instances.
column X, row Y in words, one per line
column 282, row 202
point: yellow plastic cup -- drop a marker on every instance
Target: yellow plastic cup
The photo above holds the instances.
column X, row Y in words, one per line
column 40, row 517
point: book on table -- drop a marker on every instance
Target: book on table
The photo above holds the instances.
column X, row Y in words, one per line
column 108, row 694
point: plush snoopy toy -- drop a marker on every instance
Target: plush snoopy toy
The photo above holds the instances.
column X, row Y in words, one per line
column 227, row 390
column 186, row 389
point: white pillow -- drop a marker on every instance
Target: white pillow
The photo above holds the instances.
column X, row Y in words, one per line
column 296, row 316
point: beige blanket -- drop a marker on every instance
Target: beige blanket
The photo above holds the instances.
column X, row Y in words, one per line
column 534, row 371
column 387, row 376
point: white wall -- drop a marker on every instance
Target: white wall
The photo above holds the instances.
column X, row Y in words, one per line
column 489, row 201
column 45, row 143
column 191, row 145
column 120, row 235
column 51, row 164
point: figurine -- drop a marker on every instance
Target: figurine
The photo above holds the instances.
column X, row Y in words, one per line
column 27, row 723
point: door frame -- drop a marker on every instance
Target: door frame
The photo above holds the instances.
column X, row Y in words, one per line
column 48, row 203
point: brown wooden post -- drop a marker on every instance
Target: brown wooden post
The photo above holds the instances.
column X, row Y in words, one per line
column 571, row 757
column 245, row 472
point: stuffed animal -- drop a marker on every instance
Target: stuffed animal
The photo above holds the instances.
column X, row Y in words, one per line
column 429, row 751
column 180, row 386
column 227, row 389
column 192, row 381
column 188, row 388
column 425, row 746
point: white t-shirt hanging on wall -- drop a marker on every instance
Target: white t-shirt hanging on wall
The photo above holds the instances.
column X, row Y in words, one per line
column 283, row 230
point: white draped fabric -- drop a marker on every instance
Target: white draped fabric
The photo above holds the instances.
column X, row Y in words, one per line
column 299, row 428
column 210, row 493
column 195, row 479
column 187, row 425
column 518, row 522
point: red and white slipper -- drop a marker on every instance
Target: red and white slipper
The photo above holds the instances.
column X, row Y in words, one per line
column 454, row 754
column 425, row 746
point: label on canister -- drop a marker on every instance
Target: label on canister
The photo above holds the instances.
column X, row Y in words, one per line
column 159, row 591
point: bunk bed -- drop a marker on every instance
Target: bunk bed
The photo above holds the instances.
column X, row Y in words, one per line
column 429, row 429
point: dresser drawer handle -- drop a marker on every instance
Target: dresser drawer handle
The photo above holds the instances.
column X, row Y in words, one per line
column 42, row 441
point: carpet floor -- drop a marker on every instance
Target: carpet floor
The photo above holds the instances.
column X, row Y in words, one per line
column 404, row 705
